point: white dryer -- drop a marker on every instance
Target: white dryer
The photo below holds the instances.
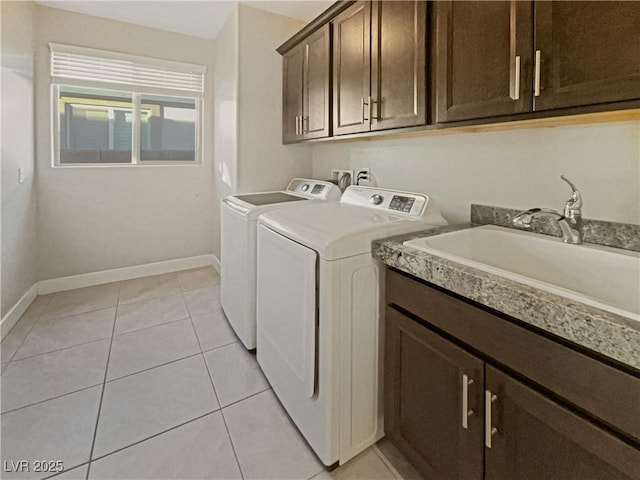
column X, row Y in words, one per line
column 319, row 311
column 238, row 216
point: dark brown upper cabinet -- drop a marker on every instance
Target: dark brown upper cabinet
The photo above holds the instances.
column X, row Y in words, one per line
column 379, row 51
column 483, row 59
column 587, row 52
column 507, row 57
column 305, row 92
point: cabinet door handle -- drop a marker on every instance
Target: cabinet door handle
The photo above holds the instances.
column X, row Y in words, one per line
column 364, row 103
column 489, row 430
column 515, row 92
column 466, row 413
column 297, row 126
column 536, row 81
column 370, row 103
column 304, row 129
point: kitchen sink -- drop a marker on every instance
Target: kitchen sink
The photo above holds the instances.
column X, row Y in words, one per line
column 603, row 277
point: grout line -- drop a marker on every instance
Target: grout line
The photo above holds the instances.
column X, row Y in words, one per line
column 66, row 470
column 200, row 417
column 224, row 420
column 59, row 349
column 154, row 367
column 151, row 326
column 104, row 383
column 76, row 314
column 32, row 326
column 154, row 297
column 220, row 346
column 52, row 398
column 246, row 398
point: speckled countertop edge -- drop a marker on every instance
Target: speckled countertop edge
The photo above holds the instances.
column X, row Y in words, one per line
column 612, row 335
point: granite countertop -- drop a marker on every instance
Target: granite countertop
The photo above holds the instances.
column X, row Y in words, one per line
column 612, row 335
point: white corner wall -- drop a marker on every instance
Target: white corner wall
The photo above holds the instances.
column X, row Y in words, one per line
column 102, row 218
column 263, row 162
column 225, row 131
column 517, row 168
column 249, row 153
column 18, row 200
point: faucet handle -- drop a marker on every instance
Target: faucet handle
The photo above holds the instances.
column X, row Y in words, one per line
column 574, row 204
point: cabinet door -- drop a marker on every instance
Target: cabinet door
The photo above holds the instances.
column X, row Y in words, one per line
column 537, row 439
column 292, row 84
column 589, row 52
column 424, row 401
column 398, row 46
column 316, row 84
column 483, row 59
column 352, row 69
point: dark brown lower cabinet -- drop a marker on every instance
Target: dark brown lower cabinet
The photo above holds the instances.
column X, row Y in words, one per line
column 456, row 416
column 424, row 387
column 537, row 439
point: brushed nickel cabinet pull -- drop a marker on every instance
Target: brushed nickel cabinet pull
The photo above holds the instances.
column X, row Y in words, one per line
column 466, row 413
column 489, row 430
column 536, row 83
column 515, row 87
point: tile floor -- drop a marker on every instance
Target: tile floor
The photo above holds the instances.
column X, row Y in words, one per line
column 145, row 379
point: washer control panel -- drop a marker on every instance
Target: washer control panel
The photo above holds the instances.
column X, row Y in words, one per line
column 401, row 203
column 404, row 204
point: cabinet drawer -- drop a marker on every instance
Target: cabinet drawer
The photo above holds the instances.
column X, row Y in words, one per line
column 598, row 389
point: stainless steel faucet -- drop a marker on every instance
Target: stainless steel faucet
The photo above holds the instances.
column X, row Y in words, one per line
column 570, row 222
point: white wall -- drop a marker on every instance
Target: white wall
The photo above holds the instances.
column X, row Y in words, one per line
column 226, row 116
column 263, row 162
column 18, row 200
column 250, row 156
column 518, row 168
column 93, row 219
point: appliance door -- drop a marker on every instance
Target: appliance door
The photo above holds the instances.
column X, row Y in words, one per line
column 286, row 310
column 238, row 272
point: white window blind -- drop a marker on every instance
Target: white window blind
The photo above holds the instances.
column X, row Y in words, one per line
column 104, row 67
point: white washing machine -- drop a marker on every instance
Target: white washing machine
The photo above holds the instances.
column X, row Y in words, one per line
column 319, row 311
column 238, row 217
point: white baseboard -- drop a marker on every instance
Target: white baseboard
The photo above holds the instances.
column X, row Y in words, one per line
column 216, row 263
column 13, row 315
column 126, row 273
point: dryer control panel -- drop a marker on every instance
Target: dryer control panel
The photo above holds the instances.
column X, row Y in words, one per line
column 314, row 189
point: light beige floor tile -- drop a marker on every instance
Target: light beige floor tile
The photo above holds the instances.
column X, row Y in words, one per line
column 52, row 374
column 56, row 333
column 82, row 300
column 142, row 349
column 204, row 301
column 235, row 372
column 60, row 429
column 213, row 330
column 366, row 466
column 205, row 277
column 148, row 313
column 149, row 287
column 11, row 343
column 142, row 405
column 200, row 449
column 79, row 473
column 266, row 442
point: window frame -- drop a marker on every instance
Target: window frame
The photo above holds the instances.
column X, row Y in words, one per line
column 136, row 92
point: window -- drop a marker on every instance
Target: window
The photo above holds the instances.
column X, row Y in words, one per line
column 112, row 108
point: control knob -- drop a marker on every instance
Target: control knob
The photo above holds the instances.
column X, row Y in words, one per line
column 305, row 187
column 376, row 199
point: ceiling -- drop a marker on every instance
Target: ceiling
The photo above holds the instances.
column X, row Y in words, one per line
column 202, row 18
